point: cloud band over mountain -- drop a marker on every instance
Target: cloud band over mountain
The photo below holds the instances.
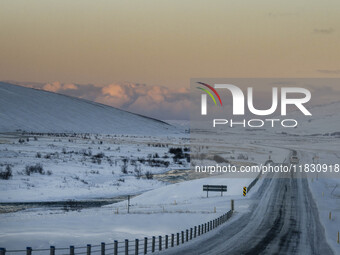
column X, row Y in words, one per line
column 154, row 101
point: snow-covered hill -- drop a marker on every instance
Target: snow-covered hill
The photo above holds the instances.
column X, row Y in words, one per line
column 325, row 120
column 41, row 111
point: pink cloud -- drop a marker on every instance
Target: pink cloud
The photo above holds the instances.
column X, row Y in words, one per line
column 154, row 101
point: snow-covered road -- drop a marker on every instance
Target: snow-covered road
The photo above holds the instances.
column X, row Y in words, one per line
column 283, row 220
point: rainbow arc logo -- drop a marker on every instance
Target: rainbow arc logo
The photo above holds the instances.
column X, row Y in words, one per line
column 209, row 93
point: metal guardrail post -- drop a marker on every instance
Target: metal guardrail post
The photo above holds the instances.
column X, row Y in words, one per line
column 28, row 250
column 172, row 240
column 166, row 241
column 115, row 248
column 195, row 231
column 126, row 247
column 190, row 233
column 182, row 232
column 102, row 248
column 145, row 245
column 52, row 250
column 186, row 235
column 71, row 250
column 159, row 243
column 153, row 244
column 199, row 230
column 136, row 246
column 88, row 252
column 177, row 238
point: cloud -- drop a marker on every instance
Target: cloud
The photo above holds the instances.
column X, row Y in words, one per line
column 281, row 14
column 154, row 101
column 327, row 71
column 324, row 31
column 57, row 86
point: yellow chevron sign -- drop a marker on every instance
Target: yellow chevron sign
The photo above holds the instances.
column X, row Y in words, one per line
column 244, row 191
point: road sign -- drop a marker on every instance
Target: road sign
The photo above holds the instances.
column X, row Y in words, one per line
column 244, row 191
column 219, row 188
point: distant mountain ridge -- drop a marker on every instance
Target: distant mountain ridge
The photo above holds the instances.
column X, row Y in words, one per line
column 34, row 110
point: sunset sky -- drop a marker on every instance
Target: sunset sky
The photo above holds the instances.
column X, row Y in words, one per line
column 160, row 45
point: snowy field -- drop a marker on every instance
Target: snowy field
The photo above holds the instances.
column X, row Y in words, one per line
column 85, row 166
column 163, row 211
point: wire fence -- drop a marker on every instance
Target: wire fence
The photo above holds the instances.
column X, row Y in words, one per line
column 129, row 247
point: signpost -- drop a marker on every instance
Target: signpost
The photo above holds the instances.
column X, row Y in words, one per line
column 218, row 188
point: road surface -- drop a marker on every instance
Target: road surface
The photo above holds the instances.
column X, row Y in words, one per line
column 283, row 220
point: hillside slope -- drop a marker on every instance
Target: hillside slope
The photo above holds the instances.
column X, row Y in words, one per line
column 41, row 111
column 325, row 119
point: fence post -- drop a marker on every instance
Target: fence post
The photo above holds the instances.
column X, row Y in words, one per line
column 159, row 243
column 172, row 240
column 211, row 225
column 126, row 247
column 28, row 250
column 195, row 230
column 186, row 235
column 136, row 246
column 102, row 248
column 199, row 230
column 232, row 204
column 145, row 245
column 177, row 238
column 2, row 251
column 205, row 227
column 190, row 233
column 88, row 252
column 52, row 250
column 153, row 243
column 115, row 248
column 71, row 250
column 182, row 232
column 166, row 241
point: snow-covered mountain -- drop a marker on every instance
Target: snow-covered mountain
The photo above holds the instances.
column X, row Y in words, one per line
column 34, row 110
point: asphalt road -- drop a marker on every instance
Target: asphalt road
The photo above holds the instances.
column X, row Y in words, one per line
column 283, row 220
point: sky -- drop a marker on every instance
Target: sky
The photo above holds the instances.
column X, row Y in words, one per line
column 160, row 45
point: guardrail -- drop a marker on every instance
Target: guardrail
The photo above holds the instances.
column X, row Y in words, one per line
column 137, row 246
column 252, row 184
